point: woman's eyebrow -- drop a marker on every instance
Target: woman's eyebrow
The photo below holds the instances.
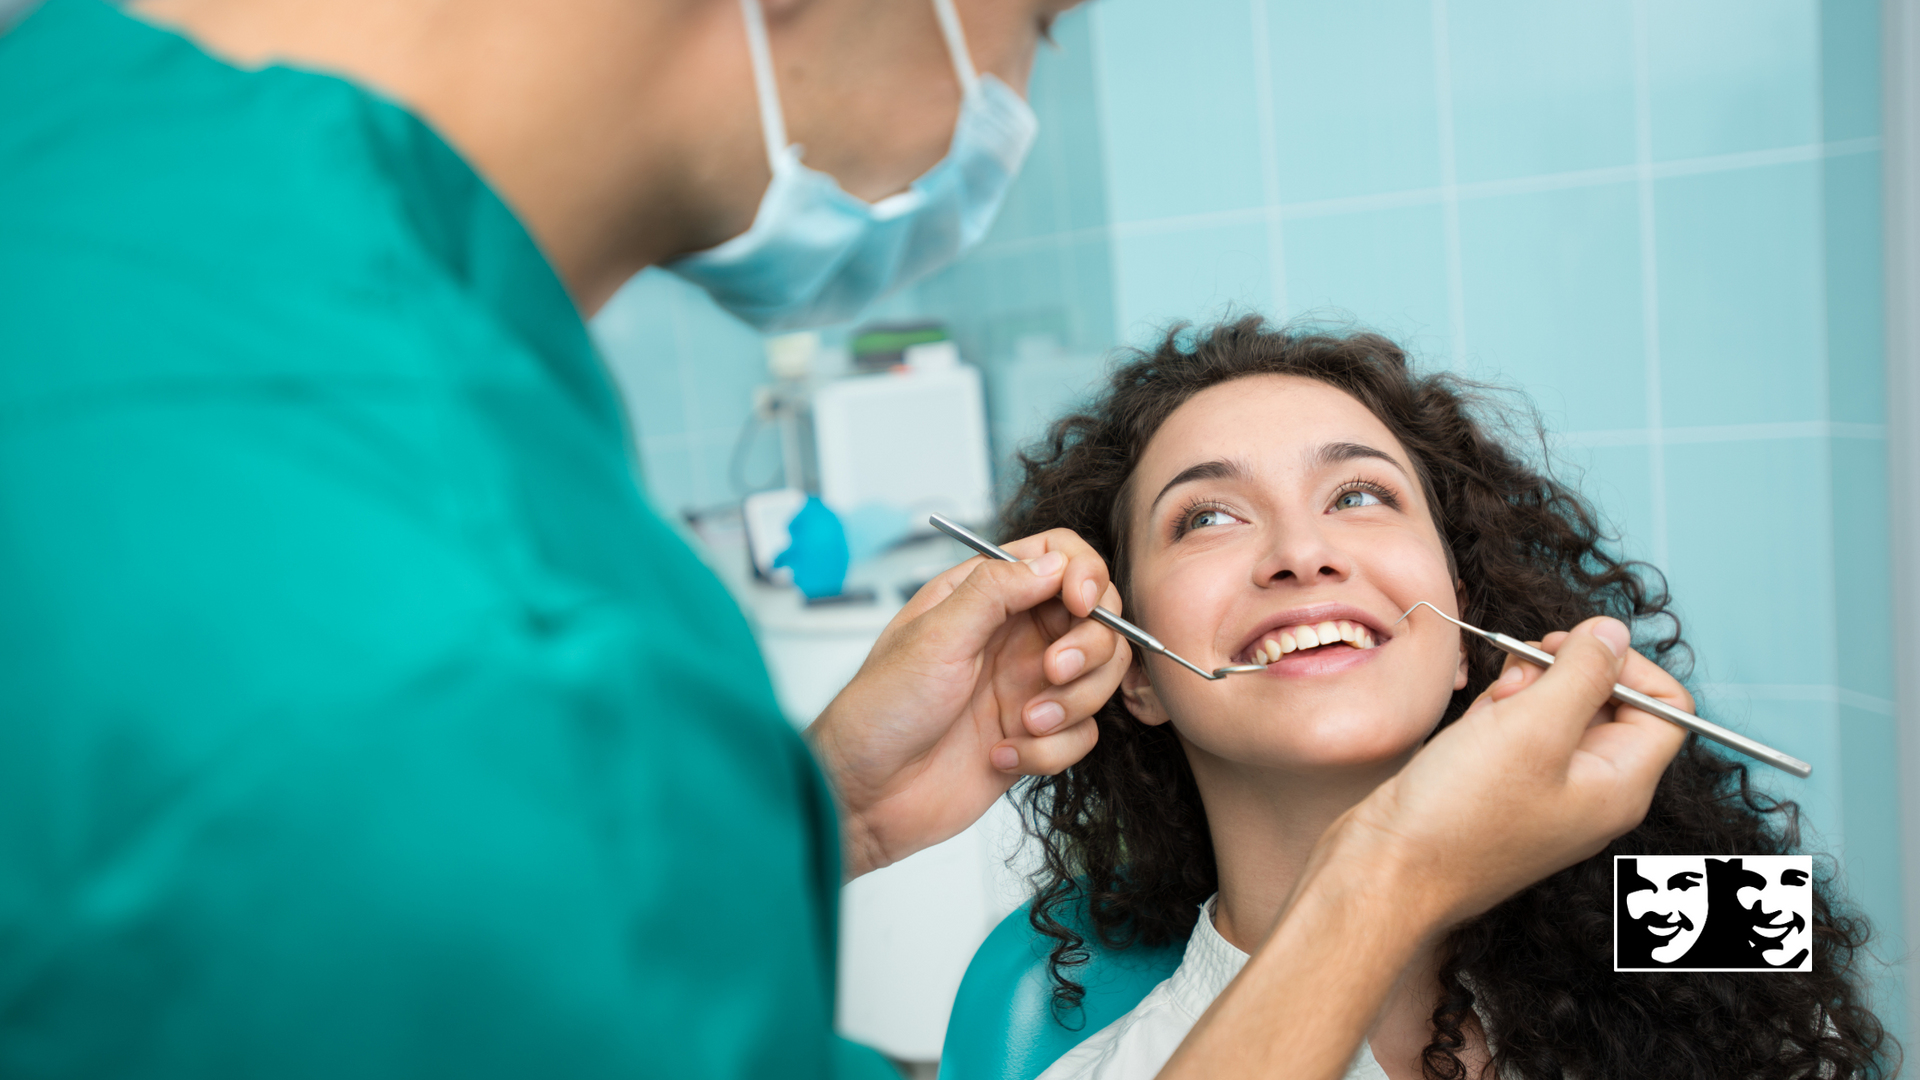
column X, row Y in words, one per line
column 1223, row 469
column 1206, row 470
column 1335, row 453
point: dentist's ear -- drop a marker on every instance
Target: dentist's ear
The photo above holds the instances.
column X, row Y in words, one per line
column 1136, row 690
column 1460, row 605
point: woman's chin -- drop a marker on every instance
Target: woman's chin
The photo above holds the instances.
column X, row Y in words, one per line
column 1333, row 755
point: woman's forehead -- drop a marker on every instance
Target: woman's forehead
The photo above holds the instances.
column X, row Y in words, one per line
column 1271, row 418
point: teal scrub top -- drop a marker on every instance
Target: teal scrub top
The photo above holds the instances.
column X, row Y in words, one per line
column 358, row 718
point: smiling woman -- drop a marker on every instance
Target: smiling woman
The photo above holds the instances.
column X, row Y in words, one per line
column 1281, row 497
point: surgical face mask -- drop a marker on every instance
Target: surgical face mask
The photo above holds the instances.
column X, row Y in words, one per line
column 815, row 254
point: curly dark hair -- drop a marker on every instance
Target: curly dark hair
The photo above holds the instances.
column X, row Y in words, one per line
column 1126, row 846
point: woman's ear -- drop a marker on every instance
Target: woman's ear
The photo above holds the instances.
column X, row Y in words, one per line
column 1460, row 605
column 1138, row 693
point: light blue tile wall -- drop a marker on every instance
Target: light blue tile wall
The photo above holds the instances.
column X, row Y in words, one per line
column 1661, row 219
column 1371, row 96
column 1728, row 76
column 1388, row 262
column 1552, row 300
column 687, row 371
column 1740, row 266
column 1563, row 103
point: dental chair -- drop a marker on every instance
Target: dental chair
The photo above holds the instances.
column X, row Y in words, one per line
column 1003, row 1025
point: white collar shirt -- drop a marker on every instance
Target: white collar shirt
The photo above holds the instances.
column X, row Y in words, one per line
column 1137, row 1045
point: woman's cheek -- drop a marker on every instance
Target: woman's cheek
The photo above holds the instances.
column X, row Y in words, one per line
column 1405, row 563
column 1188, row 601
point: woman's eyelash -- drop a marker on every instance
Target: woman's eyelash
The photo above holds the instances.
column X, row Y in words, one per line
column 1378, row 490
column 1183, row 521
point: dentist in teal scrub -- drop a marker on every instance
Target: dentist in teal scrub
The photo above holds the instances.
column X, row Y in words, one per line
column 358, row 717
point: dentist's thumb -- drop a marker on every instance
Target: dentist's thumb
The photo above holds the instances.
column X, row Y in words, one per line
column 1560, row 703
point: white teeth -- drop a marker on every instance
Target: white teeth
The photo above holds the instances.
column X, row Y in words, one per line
column 1296, row 638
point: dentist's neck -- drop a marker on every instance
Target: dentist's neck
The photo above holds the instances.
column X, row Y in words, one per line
column 619, row 133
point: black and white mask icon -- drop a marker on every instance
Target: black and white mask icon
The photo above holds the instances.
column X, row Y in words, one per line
column 1710, row 913
column 1666, row 901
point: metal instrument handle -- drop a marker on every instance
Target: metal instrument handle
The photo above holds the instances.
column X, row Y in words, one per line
column 1101, row 615
column 1706, row 729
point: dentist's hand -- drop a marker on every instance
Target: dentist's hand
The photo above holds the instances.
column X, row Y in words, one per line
column 991, row 672
column 1534, row 777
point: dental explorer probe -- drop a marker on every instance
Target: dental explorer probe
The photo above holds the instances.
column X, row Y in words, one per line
column 1101, row 615
column 1623, row 695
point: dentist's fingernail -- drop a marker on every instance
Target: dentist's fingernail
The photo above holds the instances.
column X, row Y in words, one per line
column 1512, row 674
column 1041, row 719
column 1047, row 565
column 1615, row 634
column 1090, row 592
column 1070, row 663
column 1005, row 758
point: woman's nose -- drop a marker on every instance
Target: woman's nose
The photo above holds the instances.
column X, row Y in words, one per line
column 1301, row 551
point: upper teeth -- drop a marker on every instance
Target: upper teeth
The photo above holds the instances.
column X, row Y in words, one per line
column 1293, row 638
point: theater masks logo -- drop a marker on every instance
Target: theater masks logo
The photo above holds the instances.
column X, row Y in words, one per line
column 1703, row 913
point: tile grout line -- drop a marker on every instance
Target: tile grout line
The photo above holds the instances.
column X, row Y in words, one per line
column 1449, row 187
column 1828, row 693
column 1829, row 568
column 1069, row 271
column 684, row 440
column 1723, row 433
column 1649, row 276
column 1106, row 174
column 1060, row 199
column 1484, row 189
column 1269, row 154
column 696, row 457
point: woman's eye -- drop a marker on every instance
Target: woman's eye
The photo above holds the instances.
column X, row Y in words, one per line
column 1357, row 497
column 1203, row 518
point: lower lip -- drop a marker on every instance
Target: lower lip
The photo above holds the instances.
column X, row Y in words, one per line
column 1322, row 661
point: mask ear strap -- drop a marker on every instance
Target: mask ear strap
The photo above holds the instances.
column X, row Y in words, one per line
column 773, row 123
column 957, row 46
